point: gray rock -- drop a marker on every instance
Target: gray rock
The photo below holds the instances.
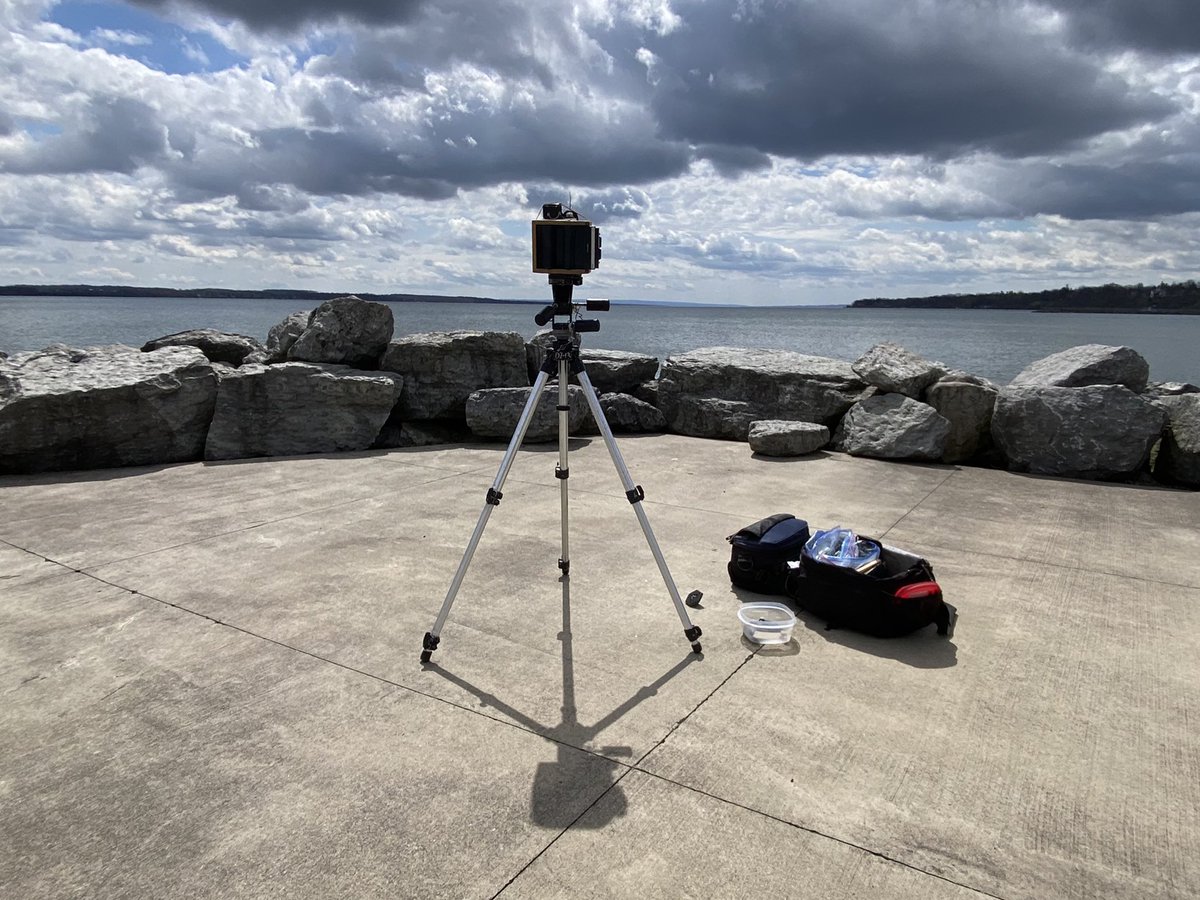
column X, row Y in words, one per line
column 1098, row 431
column 964, row 377
column 1169, row 389
column 294, row 408
column 892, row 368
column 443, row 368
column 1087, row 364
column 719, row 391
column 774, row 437
column 628, row 415
column 1178, row 458
column 64, row 408
column 616, row 371
column 968, row 408
column 347, row 331
column 892, row 426
column 495, row 412
column 709, row 417
column 647, row 392
column 282, row 336
column 218, row 346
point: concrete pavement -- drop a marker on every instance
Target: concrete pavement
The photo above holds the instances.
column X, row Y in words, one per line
column 211, row 685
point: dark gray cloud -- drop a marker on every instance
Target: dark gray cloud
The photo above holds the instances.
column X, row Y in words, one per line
column 1135, row 190
column 291, row 14
column 271, row 198
column 810, row 79
column 113, row 134
column 508, row 37
column 1158, row 26
column 554, row 142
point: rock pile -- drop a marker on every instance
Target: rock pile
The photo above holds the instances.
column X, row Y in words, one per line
column 334, row 379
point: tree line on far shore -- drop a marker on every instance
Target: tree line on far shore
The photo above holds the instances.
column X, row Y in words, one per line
column 1183, row 297
column 209, row 293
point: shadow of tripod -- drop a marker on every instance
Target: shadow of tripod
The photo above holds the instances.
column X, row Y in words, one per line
column 556, row 783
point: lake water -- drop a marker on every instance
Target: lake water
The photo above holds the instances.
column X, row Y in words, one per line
column 994, row 343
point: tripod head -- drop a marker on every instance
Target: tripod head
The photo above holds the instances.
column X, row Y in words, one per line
column 562, row 287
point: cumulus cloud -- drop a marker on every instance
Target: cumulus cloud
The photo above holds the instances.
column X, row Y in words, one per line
column 811, row 79
column 795, row 140
column 111, row 134
column 1164, row 26
column 291, row 14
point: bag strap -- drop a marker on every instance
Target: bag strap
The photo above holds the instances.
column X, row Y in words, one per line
column 761, row 527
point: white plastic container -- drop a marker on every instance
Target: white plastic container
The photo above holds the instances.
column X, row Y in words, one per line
column 767, row 623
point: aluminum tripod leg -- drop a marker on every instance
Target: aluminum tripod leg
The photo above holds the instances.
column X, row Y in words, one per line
column 561, row 471
column 432, row 636
column 635, row 495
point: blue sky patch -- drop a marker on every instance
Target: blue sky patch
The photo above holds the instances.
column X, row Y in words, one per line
column 136, row 34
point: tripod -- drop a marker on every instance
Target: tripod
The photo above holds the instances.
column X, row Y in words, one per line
column 563, row 361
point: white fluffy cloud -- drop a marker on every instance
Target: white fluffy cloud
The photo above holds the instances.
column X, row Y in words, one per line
column 798, row 152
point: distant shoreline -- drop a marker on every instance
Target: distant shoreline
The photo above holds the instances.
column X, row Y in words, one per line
column 116, row 290
column 1182, row 298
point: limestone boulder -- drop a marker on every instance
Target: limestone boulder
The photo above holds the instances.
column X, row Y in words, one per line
column 967, row 406
column 442, row 369
column 893, row 426
column 1178, row 460
column 894, row 369
column 961, row 375
column 66, row 408
column 1098, row 431
column 711, row 417
column 346, row 331
column 495, row 413
column 719, row 391
column 295, row 408
column 628, row 415
column 1085, row 365
column 217, row 346
column 1162, row 390
column 774, row 437
column 281, row 337
column 647, row 392
column 616, row 371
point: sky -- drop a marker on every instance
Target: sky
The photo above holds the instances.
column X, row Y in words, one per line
column 731, row 151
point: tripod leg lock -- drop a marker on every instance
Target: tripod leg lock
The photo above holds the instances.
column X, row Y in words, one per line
column 637, row 495
column 428, row 645
column 563, row 408
column 493, row 497
column 693, row 633
column 561, row 474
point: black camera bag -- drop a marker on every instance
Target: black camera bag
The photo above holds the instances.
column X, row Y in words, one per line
column 896, row 597
column 761, row 552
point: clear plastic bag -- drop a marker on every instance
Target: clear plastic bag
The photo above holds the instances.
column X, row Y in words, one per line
column 841, row 547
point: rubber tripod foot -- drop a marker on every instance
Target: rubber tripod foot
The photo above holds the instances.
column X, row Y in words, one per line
column 696, row 648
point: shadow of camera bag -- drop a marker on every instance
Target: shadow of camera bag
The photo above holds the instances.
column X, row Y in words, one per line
column 896, row 597
column 761, row 552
